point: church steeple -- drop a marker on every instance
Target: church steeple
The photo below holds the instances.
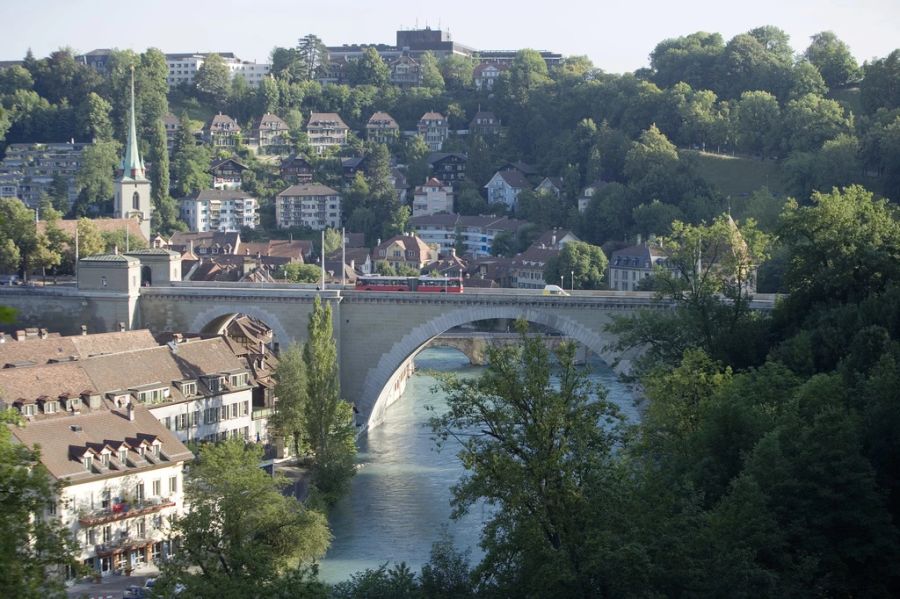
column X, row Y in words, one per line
column 132, row 166
column 133, row 193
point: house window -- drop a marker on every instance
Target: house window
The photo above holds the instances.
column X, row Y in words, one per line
column 173, row 484
column 157, row 488
column 157, row 449
column 136, row 201
column 104, row 460
column 139, row 492
column 88, row 462
column 107, row 533
column 123, row 455
column 140, row 528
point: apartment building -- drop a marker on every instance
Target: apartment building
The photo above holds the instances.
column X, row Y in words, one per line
column 310, row 205
column 433, row 128
column 29, row 169
column 475, row 234
column 326, row 130
column 220, row 210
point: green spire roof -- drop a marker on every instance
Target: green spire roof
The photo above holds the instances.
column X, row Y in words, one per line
column 132, row 166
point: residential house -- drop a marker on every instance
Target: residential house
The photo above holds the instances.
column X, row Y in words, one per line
column 484, row 76
column 584, row 200
column 474, row 235
column 221, row 131
column 405, row 71
column 629, row 266
column 382, row 128
column 121, row 469
column 271, row 133
column 356, row 258
column 527, row 268
column 432, row 197
column 485, row 123
column 398, row 180
column 449, row 167
column 550, row 185
column 326, row 130
column 171, row 124
column 220, row 210
column 352, row 165
column 227, row 173
column 433, row 128
column 405, row 250
column 209, row 243
column 505, row 187
column 310, row 205
column 297, row 169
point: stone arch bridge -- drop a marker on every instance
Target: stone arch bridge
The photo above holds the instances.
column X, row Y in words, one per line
column 378, row 334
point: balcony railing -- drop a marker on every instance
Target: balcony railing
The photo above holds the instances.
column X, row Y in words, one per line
column 122, row 511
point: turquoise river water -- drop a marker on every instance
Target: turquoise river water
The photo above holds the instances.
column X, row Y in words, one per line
column 399, row 501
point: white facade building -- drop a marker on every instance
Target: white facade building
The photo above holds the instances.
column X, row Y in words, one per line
column 310, row 205
column 477, row 233
column 183, row 68
column 432, row 198
column 220, row 210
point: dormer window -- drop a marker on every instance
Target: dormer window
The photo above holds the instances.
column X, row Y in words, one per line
column 88, row 461
column 104, row 459
column 51, row 406
column 239, row 380
column 123, row 454
column 29, row 409
column 157, row 449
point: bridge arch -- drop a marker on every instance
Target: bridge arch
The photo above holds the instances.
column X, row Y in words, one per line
column 219, row 316
column 380, row 378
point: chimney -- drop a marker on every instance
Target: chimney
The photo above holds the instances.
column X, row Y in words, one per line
column 131, row 411
column 121, row 327
column 42, row 333
column 84, row 329
column 192, row 246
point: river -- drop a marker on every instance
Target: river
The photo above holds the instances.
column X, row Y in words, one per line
column 399, row 500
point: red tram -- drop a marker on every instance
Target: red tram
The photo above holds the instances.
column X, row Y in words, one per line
column 420, row 284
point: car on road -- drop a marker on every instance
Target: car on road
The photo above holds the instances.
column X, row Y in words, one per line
column 554, row 290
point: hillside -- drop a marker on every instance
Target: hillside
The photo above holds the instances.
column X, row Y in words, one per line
column 738, row 176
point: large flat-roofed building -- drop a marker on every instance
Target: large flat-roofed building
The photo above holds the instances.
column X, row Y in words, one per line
column 183, row 68
column 474, row 233
column 29, row 169
column 310, row 205
column 220, row 210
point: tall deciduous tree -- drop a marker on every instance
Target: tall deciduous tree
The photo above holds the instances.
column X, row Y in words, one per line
column 290, row 411
column 190, row 162
column 533, row 450
column 96, row 175
column 33, row 545
column 583, row 262
column 213, row 80
column 832, row 57
column 329, row 419
column 370, row 69
column 240, row 534
column 430, row 72
column 22, row 248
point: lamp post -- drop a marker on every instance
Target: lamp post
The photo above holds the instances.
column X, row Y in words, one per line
column 573, row 280
column 561, row 284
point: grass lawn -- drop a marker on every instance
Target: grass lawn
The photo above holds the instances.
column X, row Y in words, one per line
column 738, row 176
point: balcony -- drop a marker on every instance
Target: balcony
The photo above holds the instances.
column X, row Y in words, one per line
column 122, row 511
column 122, row 545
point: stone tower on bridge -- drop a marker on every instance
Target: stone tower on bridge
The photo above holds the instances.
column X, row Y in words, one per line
column 132, row 187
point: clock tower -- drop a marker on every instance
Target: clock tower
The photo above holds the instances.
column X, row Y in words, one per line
column 132, row 187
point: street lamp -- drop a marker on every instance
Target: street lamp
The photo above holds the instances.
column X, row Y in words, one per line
column 573, row 280
column 561, row 284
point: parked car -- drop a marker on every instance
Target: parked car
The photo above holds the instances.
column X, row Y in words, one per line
column 135, row 592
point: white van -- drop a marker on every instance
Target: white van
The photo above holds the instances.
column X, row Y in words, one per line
column 554, row 290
